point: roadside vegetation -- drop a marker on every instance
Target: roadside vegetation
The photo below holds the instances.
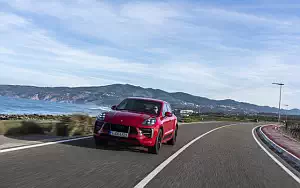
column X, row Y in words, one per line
column 75, row 125
column 72, row 125
column 222, row 117
column 30, row 117
column 292, row 128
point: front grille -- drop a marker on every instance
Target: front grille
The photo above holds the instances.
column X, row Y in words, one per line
column 147, row 132
column 133, row 130
column 119, row 128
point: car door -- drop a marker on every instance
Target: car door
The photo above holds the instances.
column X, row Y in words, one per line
column 171, row 119
column 165, row 120
column 168, row 121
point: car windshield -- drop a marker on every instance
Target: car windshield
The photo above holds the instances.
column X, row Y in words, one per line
column 140, row 105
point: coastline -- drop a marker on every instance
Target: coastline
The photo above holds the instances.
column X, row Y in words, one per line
column 37, row 116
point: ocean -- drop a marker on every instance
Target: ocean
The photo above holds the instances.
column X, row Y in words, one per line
column 10, row 105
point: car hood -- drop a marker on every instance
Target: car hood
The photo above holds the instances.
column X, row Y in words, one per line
column 126, row 118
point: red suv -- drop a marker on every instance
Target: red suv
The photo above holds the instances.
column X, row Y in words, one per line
column 138, row 121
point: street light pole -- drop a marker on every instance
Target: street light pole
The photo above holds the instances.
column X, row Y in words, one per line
column 286, row 116
column 279, row 108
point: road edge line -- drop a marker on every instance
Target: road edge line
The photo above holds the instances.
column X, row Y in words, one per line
column 42, row 144
column 160, row 167
column 199, row 122
column 274, row 158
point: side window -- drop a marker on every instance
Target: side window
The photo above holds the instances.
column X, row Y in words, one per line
column 165, row 109
column 169, row 108
column 123, row 104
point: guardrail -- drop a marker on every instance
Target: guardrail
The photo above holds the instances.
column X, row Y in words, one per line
column 281, row 152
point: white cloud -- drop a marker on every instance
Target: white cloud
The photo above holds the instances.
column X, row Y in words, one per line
column 170, row 46
column 6, row 51
column 11, row 21
column 15, row 75
column 148, row 12
column 234, row 16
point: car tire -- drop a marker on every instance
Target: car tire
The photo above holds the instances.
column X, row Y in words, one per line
column 173, row 140
column 155, row 149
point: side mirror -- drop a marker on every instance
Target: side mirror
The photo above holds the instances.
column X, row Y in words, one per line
column 168, row 114
column 114, row 107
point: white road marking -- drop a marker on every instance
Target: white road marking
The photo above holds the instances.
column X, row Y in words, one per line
column 200, row 122
column 43, row 144
column 277, row 144
column 152, row 174
column 274, row 159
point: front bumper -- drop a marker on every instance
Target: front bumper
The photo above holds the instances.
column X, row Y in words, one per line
column 138, row 136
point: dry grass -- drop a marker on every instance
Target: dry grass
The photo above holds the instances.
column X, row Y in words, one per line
column 67, row 126
column 293, row 129
column 74, row 125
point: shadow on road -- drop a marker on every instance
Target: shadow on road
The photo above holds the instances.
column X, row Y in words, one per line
column 84, row 143
column 113, row 146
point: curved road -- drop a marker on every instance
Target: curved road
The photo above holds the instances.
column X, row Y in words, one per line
column 227, row 157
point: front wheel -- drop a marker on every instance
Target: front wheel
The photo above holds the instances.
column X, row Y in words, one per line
column 155, row 149
column 173, row 140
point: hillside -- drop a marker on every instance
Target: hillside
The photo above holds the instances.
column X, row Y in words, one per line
column 113, row 94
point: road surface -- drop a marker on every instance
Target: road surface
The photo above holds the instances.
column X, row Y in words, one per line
column 226, row 157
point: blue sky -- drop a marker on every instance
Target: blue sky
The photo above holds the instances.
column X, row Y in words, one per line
column 216, row 49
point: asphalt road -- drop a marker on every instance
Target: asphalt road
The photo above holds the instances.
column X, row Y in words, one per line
column 227, row 157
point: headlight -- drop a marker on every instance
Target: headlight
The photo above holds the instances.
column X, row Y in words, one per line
column 150, row 121
column 100, row 117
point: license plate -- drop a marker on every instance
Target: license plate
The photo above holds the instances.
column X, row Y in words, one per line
column 118, row 134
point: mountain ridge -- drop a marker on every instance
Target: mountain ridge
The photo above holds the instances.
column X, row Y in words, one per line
column 114, row 93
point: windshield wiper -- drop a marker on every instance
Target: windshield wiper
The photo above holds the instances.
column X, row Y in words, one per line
column 121, row 109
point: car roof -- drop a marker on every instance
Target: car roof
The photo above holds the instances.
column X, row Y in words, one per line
column 147, row 99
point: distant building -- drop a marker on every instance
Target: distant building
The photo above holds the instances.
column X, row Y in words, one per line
column 186, row 112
